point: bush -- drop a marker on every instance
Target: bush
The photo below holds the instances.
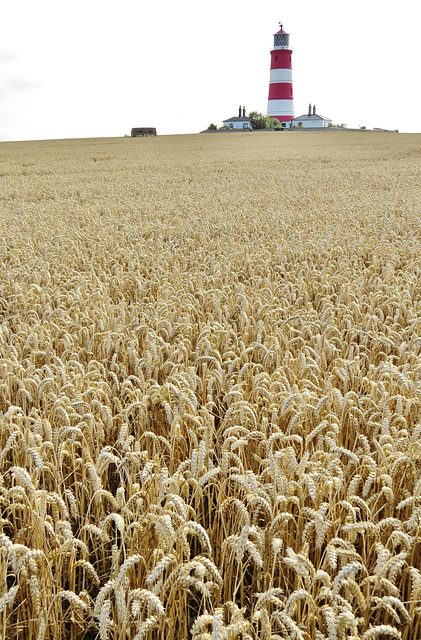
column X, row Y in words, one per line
column 273, row 123
column 258, row 120
column 212, row 127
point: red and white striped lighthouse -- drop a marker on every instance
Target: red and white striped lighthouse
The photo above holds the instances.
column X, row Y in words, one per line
column 280, row 103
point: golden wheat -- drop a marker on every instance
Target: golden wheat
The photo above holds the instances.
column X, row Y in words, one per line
column 210, row 416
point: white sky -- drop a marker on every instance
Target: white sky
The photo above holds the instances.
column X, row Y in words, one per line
column 90, row 68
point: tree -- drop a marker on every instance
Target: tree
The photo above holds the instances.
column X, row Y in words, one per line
column 258, row 120
column 212, row 127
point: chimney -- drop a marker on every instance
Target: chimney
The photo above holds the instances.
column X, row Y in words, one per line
column 239, row 111
column 309, row 109
column 314, row 110
column 244, row 112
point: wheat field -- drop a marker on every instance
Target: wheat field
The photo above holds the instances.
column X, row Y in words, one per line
column 210, row 387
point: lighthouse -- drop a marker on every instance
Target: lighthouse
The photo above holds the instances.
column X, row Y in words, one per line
column 280, row 103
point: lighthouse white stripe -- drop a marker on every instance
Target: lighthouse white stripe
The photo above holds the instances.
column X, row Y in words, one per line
column 280, row 108
column 280, row 75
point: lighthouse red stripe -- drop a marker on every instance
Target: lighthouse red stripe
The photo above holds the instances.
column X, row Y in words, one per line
column 280, row 91
column 281, row 59
column 283, row 118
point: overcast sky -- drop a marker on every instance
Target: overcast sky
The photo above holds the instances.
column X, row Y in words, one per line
column 90, row 68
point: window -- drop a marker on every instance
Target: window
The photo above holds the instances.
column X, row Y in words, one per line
column 281, row 40
column 276, row 58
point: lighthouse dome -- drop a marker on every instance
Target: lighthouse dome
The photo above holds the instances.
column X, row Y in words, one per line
column 281, row 39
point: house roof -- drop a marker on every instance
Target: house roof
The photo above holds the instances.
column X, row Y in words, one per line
column 237, row 119
column 313, row 116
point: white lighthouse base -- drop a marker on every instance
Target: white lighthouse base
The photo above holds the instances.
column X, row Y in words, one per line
column 282, row 108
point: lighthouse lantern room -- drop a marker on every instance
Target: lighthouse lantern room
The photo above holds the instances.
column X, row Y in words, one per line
column 280, row 103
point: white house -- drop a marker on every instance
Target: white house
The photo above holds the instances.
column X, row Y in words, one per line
column 238, row 122
column 311, row 120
